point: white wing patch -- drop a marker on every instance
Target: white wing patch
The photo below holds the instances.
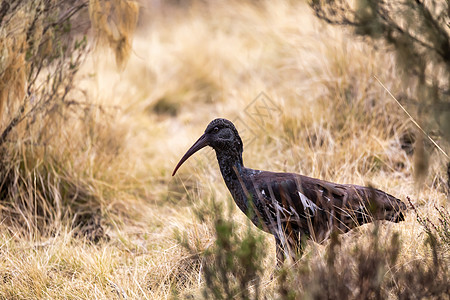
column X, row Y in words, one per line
column 308, row 203
column 321, row 192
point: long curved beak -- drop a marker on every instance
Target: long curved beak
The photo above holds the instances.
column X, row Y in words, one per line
column 199, row 144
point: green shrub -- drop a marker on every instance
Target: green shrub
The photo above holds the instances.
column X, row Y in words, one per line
column 232, row 267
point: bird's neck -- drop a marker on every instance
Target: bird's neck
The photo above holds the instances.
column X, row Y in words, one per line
column 232, row 169
column 230, row 164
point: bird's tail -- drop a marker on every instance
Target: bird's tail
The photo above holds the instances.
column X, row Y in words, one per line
column 380, row 205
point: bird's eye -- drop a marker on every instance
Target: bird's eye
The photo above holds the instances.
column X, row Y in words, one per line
column 216, row 129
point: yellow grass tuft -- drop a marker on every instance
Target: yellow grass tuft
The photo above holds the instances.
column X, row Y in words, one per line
column 13, row 65
column 114, row 23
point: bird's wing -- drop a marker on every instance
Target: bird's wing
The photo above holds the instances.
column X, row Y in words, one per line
column 316, row 203
column 301, row 194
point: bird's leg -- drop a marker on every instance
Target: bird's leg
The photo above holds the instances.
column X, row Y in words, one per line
column 299, row 247
column 288, row 245
column 280, row 252
column 294, row 246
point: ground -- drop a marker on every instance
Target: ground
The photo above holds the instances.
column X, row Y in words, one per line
column 302, row 94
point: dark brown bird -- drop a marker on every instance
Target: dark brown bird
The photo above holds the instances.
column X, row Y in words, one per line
column 292, row 206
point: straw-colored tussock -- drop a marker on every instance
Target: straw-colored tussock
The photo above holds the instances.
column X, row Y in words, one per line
column 114, row 23
column 12, row 61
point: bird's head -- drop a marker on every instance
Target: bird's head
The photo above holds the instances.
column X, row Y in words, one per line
column 221, row 135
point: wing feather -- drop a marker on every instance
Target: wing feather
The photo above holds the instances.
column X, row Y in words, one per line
column 315, row 206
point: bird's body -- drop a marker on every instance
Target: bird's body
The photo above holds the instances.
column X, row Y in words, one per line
column 292, row 206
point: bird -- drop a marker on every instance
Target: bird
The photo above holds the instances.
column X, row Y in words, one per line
column 292, row 207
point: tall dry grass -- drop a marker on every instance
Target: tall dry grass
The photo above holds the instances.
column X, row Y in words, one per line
column 58, row 146
column 114, row 154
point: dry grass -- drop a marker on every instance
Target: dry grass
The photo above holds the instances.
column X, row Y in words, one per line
column 330, row 119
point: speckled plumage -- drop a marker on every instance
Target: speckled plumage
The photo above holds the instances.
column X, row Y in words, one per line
column 289, row 205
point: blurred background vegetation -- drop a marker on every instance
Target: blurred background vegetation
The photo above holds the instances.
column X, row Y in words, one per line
column 100, row 98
